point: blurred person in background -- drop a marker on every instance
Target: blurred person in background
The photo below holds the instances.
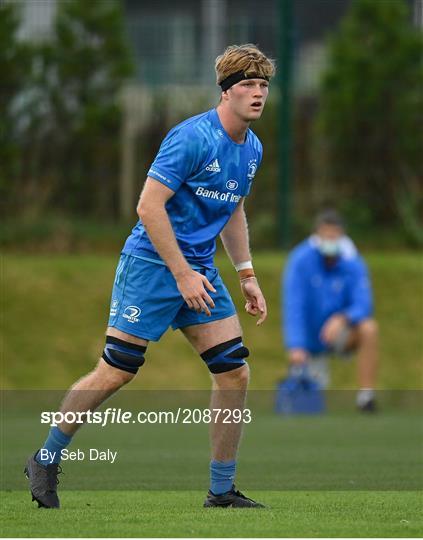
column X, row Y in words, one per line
column 328, row 307
column 194, row 192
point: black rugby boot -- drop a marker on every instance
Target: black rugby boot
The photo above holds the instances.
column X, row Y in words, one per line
column 230, row 499
column 43, row 482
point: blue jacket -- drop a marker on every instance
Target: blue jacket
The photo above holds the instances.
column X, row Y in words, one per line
column 312, row 292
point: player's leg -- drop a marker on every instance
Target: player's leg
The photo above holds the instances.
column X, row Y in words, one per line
column 229, row 386
column 220, row 345
column 364, row 338
column 117, row 367
column 136, row 283
column 122, row 357
column 145, row 300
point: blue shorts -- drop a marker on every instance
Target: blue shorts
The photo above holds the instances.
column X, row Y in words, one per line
column 146, row 301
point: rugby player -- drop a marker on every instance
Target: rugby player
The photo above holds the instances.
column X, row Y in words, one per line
column 194, row 191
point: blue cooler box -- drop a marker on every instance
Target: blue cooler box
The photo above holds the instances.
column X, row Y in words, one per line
column 299, row 393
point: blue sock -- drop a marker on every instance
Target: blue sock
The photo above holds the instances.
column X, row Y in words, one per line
column 222, row 474
column 55, row 443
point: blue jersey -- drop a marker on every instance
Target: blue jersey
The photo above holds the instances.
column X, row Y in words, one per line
column 313, row 292
column 209, row 174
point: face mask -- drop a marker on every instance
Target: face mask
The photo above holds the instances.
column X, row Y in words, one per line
column 329, row 248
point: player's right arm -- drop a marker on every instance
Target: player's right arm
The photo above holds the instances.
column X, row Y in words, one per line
column 152, row 212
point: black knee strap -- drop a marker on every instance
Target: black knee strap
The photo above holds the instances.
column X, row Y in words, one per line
column 123, row 355
column 226, row 356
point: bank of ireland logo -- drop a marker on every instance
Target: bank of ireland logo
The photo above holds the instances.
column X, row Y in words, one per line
column 231, row 184
column 252, row 169
column 131, row 313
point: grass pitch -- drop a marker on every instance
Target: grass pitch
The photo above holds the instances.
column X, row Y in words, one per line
column 179, row 514
column 339, row 475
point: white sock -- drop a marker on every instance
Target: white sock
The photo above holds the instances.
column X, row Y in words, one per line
column 364, row 395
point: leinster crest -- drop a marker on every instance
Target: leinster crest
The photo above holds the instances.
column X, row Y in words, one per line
column 252, row 169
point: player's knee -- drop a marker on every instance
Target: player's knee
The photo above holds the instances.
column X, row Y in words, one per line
column 368, row 329
column 241, row 375
column 226, row 357
column 126, row 357
column 110, row 378
column 236, row 379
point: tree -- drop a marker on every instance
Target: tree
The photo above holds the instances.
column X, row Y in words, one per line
column 370, row 115
column 14, row 62
column 72, row 140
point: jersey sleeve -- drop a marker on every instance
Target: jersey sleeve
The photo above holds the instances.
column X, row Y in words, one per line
column 253, row 167
column 177, row 159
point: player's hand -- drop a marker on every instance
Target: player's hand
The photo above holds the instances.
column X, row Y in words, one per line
column 332, row 328
column 255, row 300
column 192, row 285
column 297, row 356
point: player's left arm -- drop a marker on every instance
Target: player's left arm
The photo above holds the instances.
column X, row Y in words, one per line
column 236, row 243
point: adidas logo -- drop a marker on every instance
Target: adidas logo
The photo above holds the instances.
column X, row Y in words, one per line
column 213, row 167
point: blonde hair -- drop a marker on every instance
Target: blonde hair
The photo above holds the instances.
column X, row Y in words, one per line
column 247, row 58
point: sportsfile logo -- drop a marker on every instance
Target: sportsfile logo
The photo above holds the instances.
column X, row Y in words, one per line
column 131, row 313
column 218, row 195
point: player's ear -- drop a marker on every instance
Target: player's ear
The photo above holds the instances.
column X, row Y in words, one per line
column 224, row 96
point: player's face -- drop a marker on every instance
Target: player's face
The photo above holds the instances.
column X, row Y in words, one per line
column 247, row 98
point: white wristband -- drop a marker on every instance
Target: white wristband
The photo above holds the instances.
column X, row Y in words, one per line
column 246, row 265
